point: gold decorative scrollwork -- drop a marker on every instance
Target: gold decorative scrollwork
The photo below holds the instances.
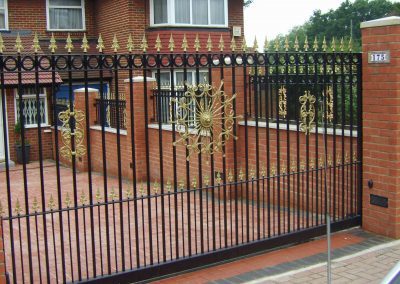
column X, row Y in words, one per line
column 329, row 104
column 77, row 134
column 282, row 102
column 307, row 112
column 204, row 118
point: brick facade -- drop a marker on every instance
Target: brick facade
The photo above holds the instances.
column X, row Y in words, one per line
column 381, row 125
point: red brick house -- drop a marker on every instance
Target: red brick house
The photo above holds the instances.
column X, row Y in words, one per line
column 204, row 18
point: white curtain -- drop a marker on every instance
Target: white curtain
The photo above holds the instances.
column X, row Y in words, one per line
column 200, row 12
column 66, row 18
column 217, row 12
column 182, row 11
column 160, row 12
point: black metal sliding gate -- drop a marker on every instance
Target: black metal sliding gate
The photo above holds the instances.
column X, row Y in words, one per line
column 195, row 159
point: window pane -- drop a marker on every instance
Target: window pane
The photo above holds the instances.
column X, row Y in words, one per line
column 65, row 2
column 200, row 12
column 179, row 81
column 182, row 11
column 2, row 20
column 164, row 79
column 66, row 19
column 160, row 12
column 217, row 12
column 2, row 3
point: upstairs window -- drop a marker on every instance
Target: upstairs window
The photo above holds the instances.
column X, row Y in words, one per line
column 201, row 13
column 3, row 15
column 66, row 15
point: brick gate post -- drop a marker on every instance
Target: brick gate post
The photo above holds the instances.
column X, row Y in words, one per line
column 381, row 126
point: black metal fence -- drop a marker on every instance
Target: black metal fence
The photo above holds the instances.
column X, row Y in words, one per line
column 269, row 155
column 115, row 113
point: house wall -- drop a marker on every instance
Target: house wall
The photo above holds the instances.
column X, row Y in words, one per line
column 31, row 134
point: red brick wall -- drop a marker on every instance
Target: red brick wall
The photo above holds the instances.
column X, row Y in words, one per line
column 31, row 15
column 381, row 118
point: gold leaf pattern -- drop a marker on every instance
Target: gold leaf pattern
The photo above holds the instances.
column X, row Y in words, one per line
column 36, row 45
column 53, row 43
column 69, row 46
column 307, row 112
column 18, row 44
column 197, row 45
column 185, row 45
column 115, row 45
column 209, row 45
column 85, row 43
column 100, row 44
column 171, row 44
column 158, row 45
column 130, row 46
column 2, row 46
column 144, row 46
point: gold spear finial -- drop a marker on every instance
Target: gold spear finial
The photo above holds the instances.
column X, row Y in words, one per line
column 197, row 43
column 350, row 44
column 206, row 180
column 277, row 45
column 2, row 46
column 181, row 184
column 144, row 46
column 315, row 46
column 168, row 186
column 115, row 45
column 83, row 198
column 100, row 44
column 35, row 205
column 263, row 172
column 218, row 179
column 296, row 44
column 142, row 191
column 171, row 44
column 156, row 188
column 158, row 44
column 129, row 193
column 324, row 45
column 194, row 182
column 341, row 45
column 36, row 45
column 241, row 174
column 255, row 44
column 67, row 201
column 266, row 44
column 18, row 44
column 185, row 45
column 233, row 44
column 85, row 43
column 112, row 194
column 286, row 44
column 209, row 45
column 333, row 44
column 52, row 204
column 18, row 209
column 273, row 169
column 244, row 45
column 230, row 176
column 130, row 46
column 221, row 45
column 1, row 209
column 306, row 46
column 252, row 173
column 53, row 43
column 98, row 195
column 69, row 46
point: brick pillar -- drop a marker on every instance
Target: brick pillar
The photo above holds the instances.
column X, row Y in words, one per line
column 139, row 119
column 80, row 104
column 381, row 120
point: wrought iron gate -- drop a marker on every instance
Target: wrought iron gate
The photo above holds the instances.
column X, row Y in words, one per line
column 195, row 157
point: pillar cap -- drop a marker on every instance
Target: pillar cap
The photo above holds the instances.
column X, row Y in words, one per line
column 388, row 21
column 140, row 79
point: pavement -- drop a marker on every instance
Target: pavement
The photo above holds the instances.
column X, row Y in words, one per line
column 358, row 257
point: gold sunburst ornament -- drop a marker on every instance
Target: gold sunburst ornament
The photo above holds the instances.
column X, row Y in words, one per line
column 205, row 118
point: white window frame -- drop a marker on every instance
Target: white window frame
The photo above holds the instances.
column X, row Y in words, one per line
column 6, row 28
column 171, row 16
column 46, row 110
column 82, row 7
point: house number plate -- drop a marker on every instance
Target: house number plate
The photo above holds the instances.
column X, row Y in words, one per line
column 379, row 57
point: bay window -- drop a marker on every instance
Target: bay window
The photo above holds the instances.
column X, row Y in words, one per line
column 201, row 13
column 65, row 15
column 3, row 15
